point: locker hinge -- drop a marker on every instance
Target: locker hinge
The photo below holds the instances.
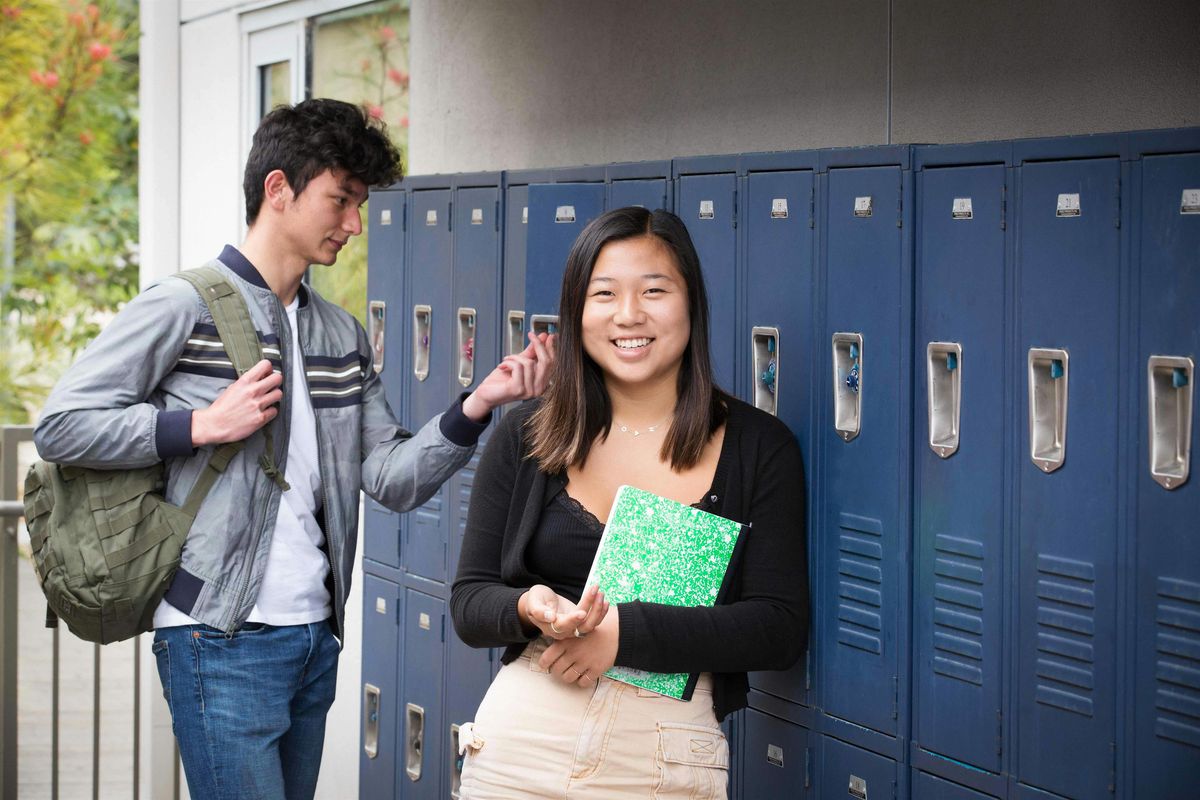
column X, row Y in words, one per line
column 895, row 697
column 1117, row 218
column 808, row 669
column 900, row 207
column 1112, row 772
column 1004, row 208
column 999, row 733
column 663, row 205
column 450, row 216
column 812, row 206
column 443, row 628
column 496, row 219
column 807, row 767
column 404, row 218
column 735, row 208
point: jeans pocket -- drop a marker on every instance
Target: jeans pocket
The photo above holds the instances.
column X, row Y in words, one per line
column 162, row 658
column 692, row 762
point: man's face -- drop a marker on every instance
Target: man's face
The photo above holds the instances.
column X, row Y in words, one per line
column 325, row 215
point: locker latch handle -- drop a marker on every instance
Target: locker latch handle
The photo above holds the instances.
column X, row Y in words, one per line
column 370, row 720
column 456, row 764
column 516, row 332
column 1169, row 382
column 1049, row 376
column 764, row 366
column 422, row 329
column 376, row 329
column 847, row 384
column 466, row 346
column 543, row 323
column 944, row 382
column 414, row 740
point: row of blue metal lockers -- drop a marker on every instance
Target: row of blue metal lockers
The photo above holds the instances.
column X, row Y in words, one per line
column 986, row 353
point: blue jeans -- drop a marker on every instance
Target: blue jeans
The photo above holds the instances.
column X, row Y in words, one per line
column 249, row 710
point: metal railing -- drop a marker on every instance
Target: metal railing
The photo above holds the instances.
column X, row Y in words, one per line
column 11, row 511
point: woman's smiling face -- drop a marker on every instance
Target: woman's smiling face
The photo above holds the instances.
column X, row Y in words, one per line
column 635, row 318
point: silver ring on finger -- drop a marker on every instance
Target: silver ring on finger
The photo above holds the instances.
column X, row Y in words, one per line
column 578, row 634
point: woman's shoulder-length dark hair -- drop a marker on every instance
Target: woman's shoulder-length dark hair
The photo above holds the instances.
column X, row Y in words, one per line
column 576, row 408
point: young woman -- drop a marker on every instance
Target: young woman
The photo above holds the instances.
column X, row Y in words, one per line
column 631, row 401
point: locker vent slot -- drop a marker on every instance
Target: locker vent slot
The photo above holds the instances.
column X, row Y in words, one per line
column 1066, row 632
column 860, row 583
column 958, row 609
column 1177, row 665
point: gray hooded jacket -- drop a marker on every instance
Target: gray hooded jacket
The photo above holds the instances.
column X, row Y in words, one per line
column 128, row 400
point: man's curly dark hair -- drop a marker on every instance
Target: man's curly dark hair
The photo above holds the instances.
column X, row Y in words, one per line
column 310, row 137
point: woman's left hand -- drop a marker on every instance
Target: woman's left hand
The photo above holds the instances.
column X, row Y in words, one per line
column 582, row 660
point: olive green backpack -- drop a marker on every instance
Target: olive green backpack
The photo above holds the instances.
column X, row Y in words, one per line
column 106, row 543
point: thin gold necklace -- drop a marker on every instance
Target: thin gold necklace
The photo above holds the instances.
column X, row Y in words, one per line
column 634, row 432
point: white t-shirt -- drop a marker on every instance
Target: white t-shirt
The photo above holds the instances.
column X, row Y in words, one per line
column 293, row 587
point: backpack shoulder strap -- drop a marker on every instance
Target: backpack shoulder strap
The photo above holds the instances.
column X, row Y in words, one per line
column 240, row 340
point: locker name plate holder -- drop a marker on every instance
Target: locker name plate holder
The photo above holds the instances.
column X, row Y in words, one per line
column 476, row 216
column 376, row 325
column 775, row 755
column 431, row 217
column 863, row 207
column 524, row 215
column 779, row 208
column 962, row 208
column 857, row 787
column 1068, row 206
column 385, row 216
column 1169, row 381
column 707, row 210
column 1049, row 373
column 943, row 371
column 564, row 214
column 1189, row 203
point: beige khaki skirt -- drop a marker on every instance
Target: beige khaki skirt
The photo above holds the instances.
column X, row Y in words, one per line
column 535, row 736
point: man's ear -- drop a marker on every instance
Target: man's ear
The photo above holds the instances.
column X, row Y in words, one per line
column 277, row 192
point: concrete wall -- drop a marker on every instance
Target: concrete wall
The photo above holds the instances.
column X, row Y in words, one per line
column 534, row 83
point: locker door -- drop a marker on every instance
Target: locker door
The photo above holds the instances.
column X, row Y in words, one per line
column 380, row 688
column 421, row 730
column 475, row 349
column 516, row 225
column 776, row 758
column 468, row 675
column 706, row 206
column 385, row 315
column 557, row 214
column 650, row 194
column 1167, row 684
column 959, row 541
column 431, row 316
column 850, row 771
column 1068, row 312
column 864, row 475
column 930, row 787
column 777, row 335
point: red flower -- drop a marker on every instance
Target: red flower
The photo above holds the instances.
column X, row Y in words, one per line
column 93, row 11
column 86, row 138
column 404, row 121
column 375, row 112
column 50, row 80
column 36, row 78
column 397, row 77
column 12, row 12
column 387, row 33
column 99, row 51
column 76, row 19
column 366, row 65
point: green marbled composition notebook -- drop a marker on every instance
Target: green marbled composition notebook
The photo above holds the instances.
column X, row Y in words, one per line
column 659, row 551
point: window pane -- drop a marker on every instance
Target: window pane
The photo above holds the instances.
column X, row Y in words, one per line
column 274, row 82
column 361, row 55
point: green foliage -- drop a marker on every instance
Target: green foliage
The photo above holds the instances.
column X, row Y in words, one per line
column 68, row 179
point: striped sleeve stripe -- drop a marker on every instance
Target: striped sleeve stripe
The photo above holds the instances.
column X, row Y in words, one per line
column 335, row 392
column 327, row 374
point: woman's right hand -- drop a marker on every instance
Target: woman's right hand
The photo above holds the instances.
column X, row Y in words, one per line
column 556, row 617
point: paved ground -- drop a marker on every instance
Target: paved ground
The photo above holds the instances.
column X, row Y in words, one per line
column 76, row 682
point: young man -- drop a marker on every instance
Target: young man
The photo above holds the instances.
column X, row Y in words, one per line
column 247, row 636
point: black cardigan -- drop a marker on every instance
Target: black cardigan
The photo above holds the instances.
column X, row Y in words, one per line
column 763, row 624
